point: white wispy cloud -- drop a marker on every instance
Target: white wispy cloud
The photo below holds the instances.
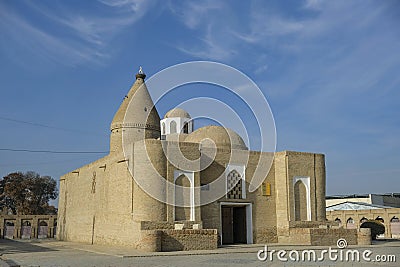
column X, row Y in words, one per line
column 209, row 47
column 194, row 13
column 264, row 25
column 313, row 4
column 42, row 43
column 86, row 35
column 203, row 18
column 222, row 31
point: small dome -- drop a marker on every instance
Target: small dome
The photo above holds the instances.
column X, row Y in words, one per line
column 177, row 113
column 222, row 137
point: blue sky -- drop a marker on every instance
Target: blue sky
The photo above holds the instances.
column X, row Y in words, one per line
column 329, row 69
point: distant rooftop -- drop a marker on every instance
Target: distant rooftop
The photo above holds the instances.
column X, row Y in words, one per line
column 348, row 205
column 362, row 196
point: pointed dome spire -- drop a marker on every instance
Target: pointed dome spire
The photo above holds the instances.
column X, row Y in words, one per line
column 140, row 74
column 136, row 117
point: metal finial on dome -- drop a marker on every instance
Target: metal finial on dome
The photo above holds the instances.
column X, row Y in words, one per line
column 140, row 73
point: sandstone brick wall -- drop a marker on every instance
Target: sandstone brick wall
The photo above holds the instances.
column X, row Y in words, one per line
column 264, row 207
column 364, row 236
column 298, row 236
column 323, row 236
column 162, row 225
column 150, row 241
column 289, row 164
column 150, row 169
column 265, row 235
column 189, row 239
column 95, row 203
column 329, row 237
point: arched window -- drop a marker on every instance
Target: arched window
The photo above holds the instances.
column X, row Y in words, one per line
column 363, row 219
column 300, row 201
column 379, row 218
column 172, row 127
column 185, row 128
column 350, row 224
column 394, row 219
column 26, row 223
column 234, row 185
column 338, row 220
column 42, row 223
column 163, row 128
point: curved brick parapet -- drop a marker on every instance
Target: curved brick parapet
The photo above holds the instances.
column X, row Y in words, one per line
column 364, row 236
column 150, row 240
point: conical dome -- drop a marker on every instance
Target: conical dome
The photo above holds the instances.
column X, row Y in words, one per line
column 136, row 118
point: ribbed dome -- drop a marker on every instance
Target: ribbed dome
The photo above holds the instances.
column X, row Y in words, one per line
column 177, row 113
column 222, row 137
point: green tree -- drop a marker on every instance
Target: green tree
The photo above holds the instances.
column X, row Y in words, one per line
column 27, row 193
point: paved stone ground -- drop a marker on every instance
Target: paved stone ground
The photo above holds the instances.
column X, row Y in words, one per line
column 56, row 253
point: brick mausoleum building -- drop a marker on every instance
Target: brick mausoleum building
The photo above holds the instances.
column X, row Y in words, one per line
column 103, row 203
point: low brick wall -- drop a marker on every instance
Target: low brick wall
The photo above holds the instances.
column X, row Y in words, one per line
column 152, row 225
column 163, row 225
column 150, row 240
column 328, row 236
column 173, row 240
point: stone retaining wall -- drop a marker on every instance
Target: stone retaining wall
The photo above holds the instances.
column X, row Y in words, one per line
column 328, row 236
column 173, row 240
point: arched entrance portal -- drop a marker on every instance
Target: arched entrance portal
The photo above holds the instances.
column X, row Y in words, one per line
column 26, row 230
column 236, row 223
column 9, row 229
column 42, row 230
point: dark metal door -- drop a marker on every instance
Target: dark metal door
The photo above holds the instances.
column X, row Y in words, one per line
column 227, row 225
column 239, row 225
